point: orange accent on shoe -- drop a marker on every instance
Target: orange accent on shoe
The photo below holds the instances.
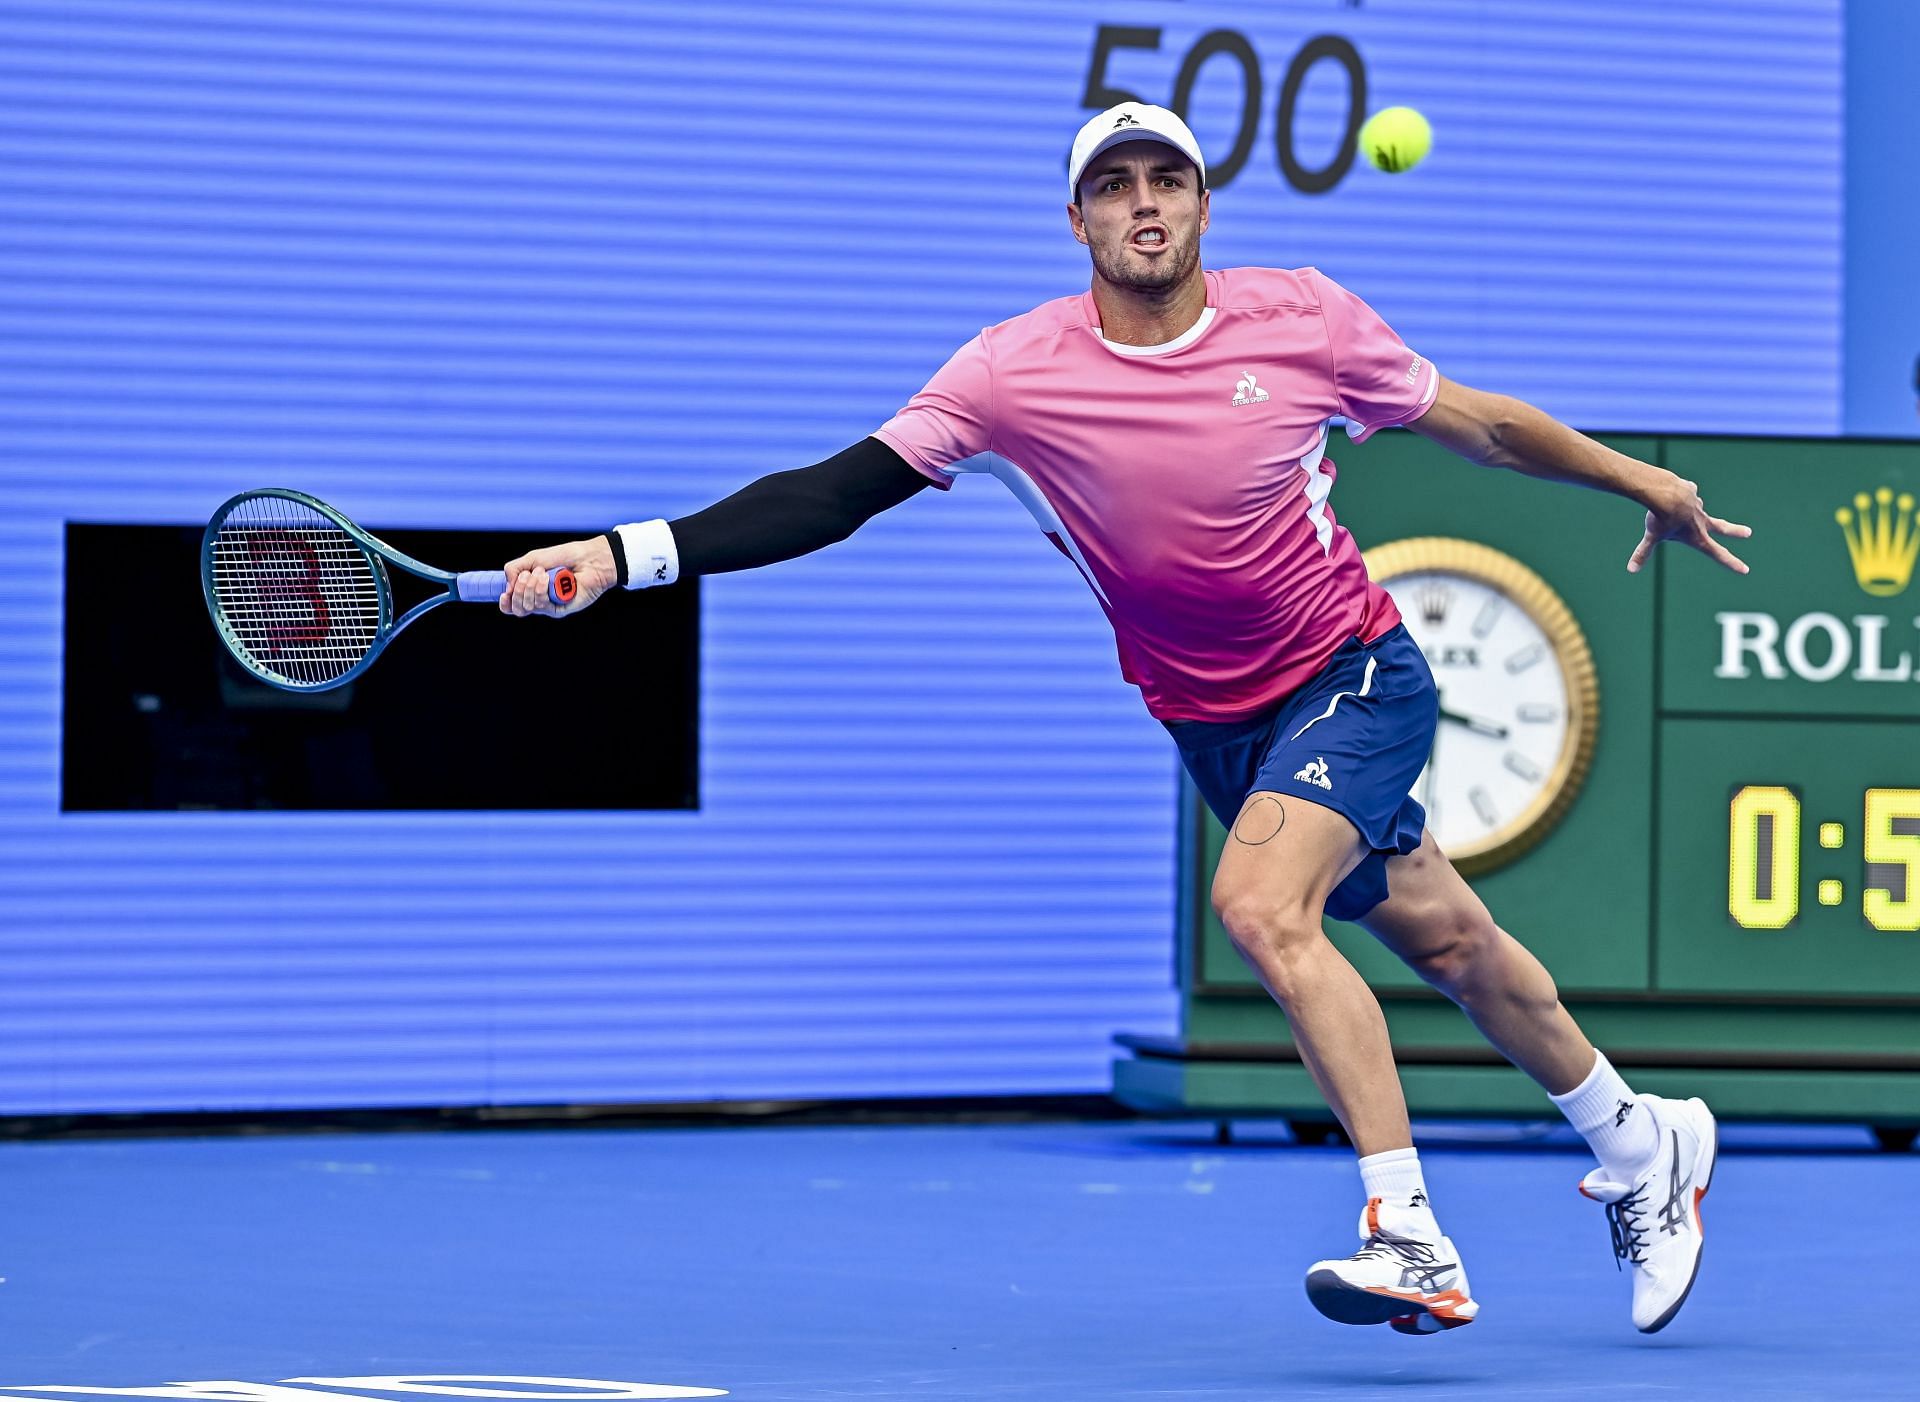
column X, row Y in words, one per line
column 1373, row 1215
column 1443, row 1306
column 1581, row 1188
column 1699, row 1223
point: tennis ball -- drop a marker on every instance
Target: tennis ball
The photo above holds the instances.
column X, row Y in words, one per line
column 1396, row 139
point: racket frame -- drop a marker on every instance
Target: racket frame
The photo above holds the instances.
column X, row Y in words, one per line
column 378, row 554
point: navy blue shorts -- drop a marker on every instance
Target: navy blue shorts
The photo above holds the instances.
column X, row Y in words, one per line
column 1352, row 739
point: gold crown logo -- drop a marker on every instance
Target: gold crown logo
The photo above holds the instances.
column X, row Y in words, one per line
column 1883, row 543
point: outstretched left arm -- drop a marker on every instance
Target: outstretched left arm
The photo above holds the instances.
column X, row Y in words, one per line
column 1497, row 431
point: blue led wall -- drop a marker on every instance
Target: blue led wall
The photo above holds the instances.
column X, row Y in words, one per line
column 553, row 264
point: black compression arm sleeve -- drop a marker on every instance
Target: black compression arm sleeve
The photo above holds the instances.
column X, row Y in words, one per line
column 794, row 513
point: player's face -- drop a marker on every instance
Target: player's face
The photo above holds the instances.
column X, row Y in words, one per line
column 1141, row 213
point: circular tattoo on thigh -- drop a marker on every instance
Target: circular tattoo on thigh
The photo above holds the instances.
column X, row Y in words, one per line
column 1260, row 821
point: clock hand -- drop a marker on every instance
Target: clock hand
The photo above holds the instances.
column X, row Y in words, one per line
column 1475, row 724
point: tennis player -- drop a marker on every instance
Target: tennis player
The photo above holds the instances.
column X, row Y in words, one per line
column 1168, row 430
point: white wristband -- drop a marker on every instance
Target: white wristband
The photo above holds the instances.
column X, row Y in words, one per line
column 652, row 557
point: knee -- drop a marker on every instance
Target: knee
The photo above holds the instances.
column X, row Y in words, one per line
column 1463, row 955
column 1270, row 936
column 1476, row 963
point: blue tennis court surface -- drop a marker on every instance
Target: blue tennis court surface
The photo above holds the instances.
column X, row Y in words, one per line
column 981, row 1262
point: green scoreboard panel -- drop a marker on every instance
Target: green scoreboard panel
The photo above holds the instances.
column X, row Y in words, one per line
column 1789, row 746
column 1731, row 903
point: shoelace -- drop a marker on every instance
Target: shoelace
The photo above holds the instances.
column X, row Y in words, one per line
column 1625, row 1219
column 1415, row 1252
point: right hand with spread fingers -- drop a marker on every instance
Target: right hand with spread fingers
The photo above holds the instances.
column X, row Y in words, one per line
column 593, row 570
column 1680, row 515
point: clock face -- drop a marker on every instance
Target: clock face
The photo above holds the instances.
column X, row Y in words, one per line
column 1505, row 735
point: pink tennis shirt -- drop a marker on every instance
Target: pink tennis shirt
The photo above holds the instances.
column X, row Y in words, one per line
column 1189, row 481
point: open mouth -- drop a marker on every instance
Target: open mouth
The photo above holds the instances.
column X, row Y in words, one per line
column 1150, row 237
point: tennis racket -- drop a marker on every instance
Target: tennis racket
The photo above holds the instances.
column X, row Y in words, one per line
column 300, row 594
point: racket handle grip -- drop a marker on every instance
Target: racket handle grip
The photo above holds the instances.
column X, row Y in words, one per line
column 486, row 586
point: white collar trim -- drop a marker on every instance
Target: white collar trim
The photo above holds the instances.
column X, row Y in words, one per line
column 1180, row 342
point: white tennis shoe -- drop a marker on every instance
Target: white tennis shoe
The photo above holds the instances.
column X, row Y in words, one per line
column 1405, row 1274
column 1656, row 1218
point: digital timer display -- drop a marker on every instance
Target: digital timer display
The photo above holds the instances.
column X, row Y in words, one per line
column 1765, row 865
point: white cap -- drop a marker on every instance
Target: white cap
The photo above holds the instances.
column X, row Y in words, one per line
column 1130, row 121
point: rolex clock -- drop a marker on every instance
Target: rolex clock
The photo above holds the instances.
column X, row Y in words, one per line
column 1519, row 702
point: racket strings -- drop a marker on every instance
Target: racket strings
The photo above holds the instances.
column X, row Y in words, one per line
column 297, row 593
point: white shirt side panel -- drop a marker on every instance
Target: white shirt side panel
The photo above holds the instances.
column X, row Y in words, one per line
column 1319, row 488
column 979, row 462
column 1027, row 492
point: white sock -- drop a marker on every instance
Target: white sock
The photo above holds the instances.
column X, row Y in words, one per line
column 1615, row 1125
column 1395, row 1178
